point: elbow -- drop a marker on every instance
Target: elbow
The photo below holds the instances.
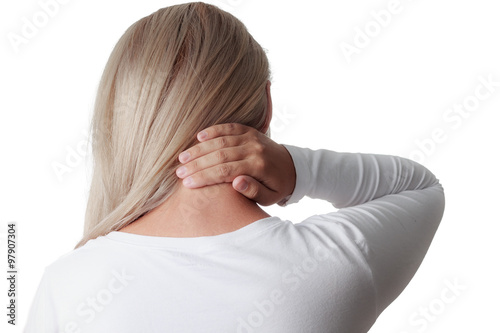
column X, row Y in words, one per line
column 439, row 199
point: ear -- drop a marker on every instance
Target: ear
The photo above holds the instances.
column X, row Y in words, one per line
column 269, row 113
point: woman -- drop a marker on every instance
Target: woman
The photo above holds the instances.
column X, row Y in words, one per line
column 174, row 240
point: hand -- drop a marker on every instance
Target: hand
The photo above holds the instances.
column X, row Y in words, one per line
column 258, row 167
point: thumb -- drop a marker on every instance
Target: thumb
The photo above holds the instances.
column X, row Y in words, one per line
column 253, row 189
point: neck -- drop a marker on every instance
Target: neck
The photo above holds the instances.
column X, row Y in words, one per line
column 207, row 211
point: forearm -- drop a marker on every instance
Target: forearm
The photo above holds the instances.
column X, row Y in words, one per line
column 349, row 179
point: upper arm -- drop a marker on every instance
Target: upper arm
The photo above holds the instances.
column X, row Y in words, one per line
column 394, row 234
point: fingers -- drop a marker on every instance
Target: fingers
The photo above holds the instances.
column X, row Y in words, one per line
column 204, row 148
column 222, row 130
column 225, row 151
column 220, row 173
column 213, row 138
column 214, row 158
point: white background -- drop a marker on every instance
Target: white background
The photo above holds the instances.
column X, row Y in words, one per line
column 394, row 92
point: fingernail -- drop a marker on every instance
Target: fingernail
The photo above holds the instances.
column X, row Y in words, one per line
column 184, row 157
column 242, row 186
column 202, row 135
column 181, row 171
column 188, row 181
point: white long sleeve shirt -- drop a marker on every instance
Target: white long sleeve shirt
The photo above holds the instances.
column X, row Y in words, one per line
column 333, row 272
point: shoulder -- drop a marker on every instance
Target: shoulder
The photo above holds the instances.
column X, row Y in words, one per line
column 94, row 258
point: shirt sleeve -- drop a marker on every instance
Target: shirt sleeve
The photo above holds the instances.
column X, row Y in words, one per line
column 390, row 206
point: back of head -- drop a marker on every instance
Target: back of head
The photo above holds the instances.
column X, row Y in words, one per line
column 172, row 74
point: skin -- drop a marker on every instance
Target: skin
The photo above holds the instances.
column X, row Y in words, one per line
column 222, row 183
column 226, row 212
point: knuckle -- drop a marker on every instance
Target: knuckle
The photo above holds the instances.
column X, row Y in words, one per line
column 258, row 147
column 223, row 170
column 221, row 142
column 220, row 156
column 252, row 192
column 193, row 165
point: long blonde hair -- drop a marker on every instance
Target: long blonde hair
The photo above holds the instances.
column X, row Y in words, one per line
column 172, row 74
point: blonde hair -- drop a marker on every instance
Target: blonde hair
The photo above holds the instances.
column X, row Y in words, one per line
column 172, row 74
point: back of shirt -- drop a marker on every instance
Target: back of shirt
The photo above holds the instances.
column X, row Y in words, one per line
column 330, row 273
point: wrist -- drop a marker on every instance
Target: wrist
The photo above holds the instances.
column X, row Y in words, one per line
column 291, row 177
